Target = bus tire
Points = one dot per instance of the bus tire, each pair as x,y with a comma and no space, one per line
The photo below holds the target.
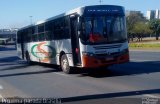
65,64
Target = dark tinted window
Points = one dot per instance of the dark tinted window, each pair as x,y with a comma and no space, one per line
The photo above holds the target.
41,37
61,28
35,29
40,28
29,34
58,28
34,37
66,28
49,30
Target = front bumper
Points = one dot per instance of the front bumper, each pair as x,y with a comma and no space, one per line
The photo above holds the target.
94,62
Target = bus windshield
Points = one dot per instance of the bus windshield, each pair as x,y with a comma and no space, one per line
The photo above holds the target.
103,29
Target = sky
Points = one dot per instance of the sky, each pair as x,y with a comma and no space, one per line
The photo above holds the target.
19,13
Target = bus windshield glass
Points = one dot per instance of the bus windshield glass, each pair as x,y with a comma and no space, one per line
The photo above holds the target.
103,29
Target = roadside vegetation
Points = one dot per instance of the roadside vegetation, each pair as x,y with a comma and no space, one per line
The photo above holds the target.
144,46
142,33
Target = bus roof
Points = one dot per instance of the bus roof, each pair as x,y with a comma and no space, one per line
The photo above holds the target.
79,11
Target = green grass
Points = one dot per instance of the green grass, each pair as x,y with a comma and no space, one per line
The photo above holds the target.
142,45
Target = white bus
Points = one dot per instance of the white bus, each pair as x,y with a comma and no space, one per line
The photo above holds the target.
86,37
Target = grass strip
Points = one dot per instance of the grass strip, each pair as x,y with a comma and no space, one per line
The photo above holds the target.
143,45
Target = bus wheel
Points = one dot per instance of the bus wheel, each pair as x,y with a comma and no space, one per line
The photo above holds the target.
65,64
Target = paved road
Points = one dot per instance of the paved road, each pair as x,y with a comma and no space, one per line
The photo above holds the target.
127,83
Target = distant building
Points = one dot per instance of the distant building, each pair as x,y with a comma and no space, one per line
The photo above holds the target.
150,14
134,12
157,14
9,34
153,14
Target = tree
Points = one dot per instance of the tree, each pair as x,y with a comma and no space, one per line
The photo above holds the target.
141,29
155,27
132,19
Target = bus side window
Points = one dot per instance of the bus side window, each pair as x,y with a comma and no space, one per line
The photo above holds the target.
56,29
41,36
61,28
66,28
29,35
32,31
35,35
49,31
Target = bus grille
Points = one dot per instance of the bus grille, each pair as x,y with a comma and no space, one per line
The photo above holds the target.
107,47
111,54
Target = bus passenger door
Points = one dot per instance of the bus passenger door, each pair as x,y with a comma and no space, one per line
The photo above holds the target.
22,46
75,40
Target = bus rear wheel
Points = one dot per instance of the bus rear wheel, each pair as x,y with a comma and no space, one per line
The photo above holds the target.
65,65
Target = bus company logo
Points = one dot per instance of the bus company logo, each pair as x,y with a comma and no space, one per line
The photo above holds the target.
44,56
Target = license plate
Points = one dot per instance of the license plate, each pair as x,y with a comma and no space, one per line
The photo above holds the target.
109,58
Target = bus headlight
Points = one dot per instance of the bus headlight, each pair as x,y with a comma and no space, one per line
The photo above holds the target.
87,54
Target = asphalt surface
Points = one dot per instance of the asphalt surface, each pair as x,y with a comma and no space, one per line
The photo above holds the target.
119,84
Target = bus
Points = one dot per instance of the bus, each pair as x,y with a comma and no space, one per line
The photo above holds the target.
86,37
